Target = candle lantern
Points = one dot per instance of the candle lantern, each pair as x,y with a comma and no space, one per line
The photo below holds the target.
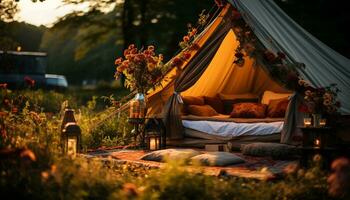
307,121
317,142
323,122
155,134
71,138
138,106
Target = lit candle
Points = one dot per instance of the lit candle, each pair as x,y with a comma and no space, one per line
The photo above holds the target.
317,142
323,122
152,143
307,121
72,146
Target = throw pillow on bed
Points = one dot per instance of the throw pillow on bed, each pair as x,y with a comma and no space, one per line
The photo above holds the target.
216,103
269,95
277,107
205,110
229,99
248,110
193,100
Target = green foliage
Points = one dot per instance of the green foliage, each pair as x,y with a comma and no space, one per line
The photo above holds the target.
32,166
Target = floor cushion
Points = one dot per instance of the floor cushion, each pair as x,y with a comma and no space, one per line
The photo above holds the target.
274,150
217,159
171,154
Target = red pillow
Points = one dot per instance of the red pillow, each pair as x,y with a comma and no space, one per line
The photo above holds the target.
277,107
205,110
248,110
215,102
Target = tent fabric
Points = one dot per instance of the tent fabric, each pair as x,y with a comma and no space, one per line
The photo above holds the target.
278,32
224,76
158,98
189,76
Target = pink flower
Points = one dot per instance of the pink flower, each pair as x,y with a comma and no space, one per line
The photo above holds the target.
29,81
118,61
186,38
3,85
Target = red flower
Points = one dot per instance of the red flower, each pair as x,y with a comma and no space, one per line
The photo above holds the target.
194,47
150,48
29,81
186,55
186,38
131,46
177,62
3,85
118,61
126,52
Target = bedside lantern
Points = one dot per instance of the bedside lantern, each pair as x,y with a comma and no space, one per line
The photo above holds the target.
155,134
307,121
71,139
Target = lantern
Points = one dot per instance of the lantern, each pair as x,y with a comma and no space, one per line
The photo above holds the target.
71,138
138,106
155,134
70,133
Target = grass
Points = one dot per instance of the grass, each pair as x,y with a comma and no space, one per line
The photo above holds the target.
33,167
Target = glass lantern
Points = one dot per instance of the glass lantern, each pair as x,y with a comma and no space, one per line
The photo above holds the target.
153,141
138,106
71,139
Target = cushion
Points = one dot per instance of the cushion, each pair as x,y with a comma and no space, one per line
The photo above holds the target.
205,110
269,95
193,100
217,159
275,150
172,154
230,99
248,110
215,102
277,107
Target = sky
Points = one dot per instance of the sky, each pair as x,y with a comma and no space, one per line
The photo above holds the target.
44,13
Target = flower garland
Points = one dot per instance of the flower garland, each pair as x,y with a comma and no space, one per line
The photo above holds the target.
321,100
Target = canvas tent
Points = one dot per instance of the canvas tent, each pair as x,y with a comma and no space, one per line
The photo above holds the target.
211,68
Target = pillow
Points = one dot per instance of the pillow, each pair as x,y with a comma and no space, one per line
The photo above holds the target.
275,150
277,107
217,159
215,102
248,110
171,154
192,100
269,95
205,110
230,99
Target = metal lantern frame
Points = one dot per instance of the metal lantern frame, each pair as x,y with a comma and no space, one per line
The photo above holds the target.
71,135
155,134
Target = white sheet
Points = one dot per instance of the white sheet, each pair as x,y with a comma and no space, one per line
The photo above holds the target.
232,129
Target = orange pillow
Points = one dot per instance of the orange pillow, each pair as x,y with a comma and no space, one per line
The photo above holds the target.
248,110
205,110
192,100
277,107
215,102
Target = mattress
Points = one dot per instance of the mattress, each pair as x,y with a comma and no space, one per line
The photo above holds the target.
226,118
229,128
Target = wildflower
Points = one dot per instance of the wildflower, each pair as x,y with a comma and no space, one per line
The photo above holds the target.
44,175
118,61
186,38
177,62
130,190
326,102
150,48
14,110
308,93
339,180
3,85
193,32
186,55
131,46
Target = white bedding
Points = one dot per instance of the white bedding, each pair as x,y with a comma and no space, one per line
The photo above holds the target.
232,129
